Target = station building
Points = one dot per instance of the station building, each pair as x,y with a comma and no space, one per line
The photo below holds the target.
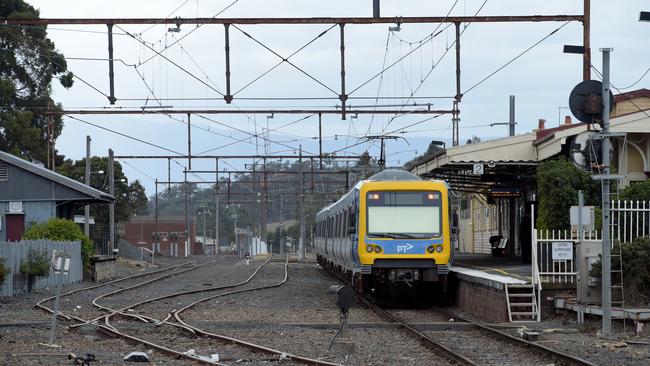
166,235
31,193
495,181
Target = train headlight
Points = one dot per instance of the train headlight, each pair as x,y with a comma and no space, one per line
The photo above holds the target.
369,248
431,249
377,249
439,248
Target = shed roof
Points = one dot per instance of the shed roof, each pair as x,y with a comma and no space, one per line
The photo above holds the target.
56,177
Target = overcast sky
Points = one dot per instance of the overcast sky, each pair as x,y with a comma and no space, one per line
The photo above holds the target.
541,79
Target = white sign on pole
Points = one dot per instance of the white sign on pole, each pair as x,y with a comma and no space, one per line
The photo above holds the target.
562,250
478,169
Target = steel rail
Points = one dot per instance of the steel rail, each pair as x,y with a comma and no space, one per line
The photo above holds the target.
201,332
111,330
41,302
435,345
313,20
564,357
139,317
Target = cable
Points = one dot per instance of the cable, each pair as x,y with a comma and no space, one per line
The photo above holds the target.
171,62
428,38
285,59
166,18
159,53
515,58
145,174
124,135
600,74
636,82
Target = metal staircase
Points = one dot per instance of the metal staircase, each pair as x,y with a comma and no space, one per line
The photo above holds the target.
522,302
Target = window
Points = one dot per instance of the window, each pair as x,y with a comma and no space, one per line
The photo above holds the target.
404,214
4,172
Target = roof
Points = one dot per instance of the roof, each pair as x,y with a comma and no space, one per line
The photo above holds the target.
515,150
634,94
56,177
394,174
161,219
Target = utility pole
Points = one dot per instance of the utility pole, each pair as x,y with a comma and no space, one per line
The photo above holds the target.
216,208
87,207
50,138
606,267
512,116
187,216
111,207
301,219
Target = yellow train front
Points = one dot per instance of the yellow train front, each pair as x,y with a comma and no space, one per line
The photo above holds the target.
390,231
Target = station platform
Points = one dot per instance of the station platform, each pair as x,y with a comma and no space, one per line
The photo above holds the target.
492,269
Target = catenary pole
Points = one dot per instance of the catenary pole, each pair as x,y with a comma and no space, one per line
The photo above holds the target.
606,267
87,207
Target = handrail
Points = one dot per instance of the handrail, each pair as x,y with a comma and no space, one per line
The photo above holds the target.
142,250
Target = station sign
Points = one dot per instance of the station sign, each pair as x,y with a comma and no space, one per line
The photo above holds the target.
505,192
562,250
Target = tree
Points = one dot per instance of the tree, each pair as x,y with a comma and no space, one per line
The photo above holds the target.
130,198
558,182
433,149
28,64
638,191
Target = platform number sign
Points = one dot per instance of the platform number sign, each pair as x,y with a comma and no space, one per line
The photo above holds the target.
562,250
478,169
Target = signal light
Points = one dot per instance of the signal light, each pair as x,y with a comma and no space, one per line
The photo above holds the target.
430,196
439,248
431,249
377,249
374,196
369,248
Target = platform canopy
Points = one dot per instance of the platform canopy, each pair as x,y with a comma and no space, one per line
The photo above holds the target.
480,166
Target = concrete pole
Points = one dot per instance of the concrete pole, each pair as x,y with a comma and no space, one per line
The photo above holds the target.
111,207
511,124
187,215
216,209
301,219
580,295
87,207
606,267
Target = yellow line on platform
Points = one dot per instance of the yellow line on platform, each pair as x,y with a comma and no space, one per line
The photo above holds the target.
498,270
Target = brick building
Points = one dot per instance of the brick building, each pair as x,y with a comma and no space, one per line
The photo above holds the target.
167,237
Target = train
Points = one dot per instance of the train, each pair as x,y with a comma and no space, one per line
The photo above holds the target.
389,233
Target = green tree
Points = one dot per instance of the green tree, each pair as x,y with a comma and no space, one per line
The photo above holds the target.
639,191
558,182
28,64
62,230
131,199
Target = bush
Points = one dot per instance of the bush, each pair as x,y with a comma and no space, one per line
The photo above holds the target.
62,230
37,264
558,182
3,271
636,272
639,191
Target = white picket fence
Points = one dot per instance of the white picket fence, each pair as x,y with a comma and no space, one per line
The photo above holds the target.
629,220
15,252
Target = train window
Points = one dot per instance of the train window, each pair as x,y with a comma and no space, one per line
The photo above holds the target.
404,214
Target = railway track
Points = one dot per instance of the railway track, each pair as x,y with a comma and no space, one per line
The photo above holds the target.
481,345
103,322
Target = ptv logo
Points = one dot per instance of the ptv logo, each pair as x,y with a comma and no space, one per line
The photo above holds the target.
404,248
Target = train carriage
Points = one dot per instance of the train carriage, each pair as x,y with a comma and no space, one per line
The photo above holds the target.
391,230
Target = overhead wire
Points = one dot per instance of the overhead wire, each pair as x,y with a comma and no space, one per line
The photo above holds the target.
132,166
515,58
124,135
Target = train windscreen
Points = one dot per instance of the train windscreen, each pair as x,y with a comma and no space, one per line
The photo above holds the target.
404,214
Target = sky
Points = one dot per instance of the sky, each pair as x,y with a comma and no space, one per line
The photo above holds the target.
192,74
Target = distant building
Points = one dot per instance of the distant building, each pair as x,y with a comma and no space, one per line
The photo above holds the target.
30,193
166,237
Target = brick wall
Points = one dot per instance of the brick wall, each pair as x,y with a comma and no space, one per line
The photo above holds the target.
487,303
